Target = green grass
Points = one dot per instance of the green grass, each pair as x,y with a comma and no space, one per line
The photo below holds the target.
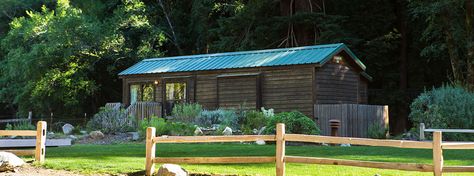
130,158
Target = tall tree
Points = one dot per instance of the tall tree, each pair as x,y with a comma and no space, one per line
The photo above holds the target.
449,29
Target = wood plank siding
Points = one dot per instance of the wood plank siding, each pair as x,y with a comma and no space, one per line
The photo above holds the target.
338,83
236,91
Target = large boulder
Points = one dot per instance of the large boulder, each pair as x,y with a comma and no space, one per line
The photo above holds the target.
9,161
67,128
172,170
135,135
227,131
96,135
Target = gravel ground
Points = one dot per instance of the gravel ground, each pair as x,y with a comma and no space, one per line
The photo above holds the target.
28,170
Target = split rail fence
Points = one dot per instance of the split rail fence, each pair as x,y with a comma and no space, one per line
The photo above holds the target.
40,134
280,158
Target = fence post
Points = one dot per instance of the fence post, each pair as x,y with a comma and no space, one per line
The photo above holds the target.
150,151
280,149
30,116
422,131
40,149
437,153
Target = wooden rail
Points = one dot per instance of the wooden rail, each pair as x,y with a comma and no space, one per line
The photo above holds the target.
437,146
40,148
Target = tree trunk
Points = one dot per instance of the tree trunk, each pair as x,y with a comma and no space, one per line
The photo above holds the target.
297,34
401,21
470,43
452,50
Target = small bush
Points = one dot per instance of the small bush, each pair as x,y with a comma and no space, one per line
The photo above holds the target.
111,121
21,125
295,122
160,125
446,107
223,117
253,120
181,129
208,118
376,131
229,117
186,112
164,127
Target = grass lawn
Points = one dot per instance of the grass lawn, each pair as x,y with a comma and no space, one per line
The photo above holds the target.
130,158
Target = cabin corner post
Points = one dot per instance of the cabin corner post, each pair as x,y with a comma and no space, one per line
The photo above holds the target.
40,148
437,153
280,149
150,151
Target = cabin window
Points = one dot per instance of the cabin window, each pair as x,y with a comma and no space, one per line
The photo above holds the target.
176,91
142,92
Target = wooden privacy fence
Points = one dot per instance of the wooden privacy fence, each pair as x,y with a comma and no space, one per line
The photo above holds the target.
281,158
355,118
40,133
142,110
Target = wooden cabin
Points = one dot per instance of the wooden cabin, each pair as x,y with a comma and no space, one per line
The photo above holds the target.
283,79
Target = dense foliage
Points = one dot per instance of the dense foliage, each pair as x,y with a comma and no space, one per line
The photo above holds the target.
164,127
295,122
22,125
63,56
253,120
447,107
186,112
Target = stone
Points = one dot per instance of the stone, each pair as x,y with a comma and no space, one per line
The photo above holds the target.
260,142
72,137
227,131
96,135
172,170
261,130
198,132
9,161
83,132
345,145
135,135
324,144
67,128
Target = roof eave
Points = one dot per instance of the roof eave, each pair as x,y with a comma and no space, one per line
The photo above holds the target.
340,48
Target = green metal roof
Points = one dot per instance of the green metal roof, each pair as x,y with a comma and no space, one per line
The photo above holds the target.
317,54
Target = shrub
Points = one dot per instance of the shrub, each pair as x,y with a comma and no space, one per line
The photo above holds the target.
111,121
377,131
181,129
160,125
164,127
253,120
208,118
295,122
223,117
21,125
228,117
445,107
186,112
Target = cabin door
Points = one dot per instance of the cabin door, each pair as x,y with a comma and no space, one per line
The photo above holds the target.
175,92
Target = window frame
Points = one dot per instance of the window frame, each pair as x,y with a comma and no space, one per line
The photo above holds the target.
141,89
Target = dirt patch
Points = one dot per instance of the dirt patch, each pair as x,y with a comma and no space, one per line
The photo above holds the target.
28,170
